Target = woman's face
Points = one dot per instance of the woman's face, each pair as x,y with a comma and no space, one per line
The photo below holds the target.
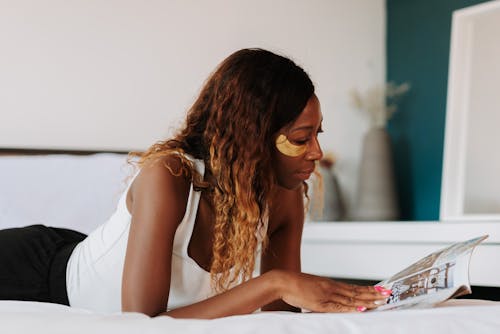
296,147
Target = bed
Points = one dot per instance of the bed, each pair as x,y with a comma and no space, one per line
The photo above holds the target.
79,191
457,316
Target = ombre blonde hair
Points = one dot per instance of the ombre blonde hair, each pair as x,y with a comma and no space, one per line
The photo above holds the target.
251,95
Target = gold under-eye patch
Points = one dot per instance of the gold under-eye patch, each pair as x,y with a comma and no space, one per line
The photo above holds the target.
284,146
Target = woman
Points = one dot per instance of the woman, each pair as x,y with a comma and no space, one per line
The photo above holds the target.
228,190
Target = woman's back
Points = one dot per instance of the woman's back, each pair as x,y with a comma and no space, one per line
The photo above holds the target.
94,272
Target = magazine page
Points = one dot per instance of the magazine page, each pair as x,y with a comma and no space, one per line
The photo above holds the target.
435,278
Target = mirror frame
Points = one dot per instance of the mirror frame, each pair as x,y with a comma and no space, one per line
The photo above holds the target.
457,115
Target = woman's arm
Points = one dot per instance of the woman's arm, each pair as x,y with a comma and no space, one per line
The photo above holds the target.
286,221
242,299
157,205
310,292
157,201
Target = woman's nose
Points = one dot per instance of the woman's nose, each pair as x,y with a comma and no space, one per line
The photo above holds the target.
314,152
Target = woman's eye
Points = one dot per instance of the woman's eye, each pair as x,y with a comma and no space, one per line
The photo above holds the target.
301,141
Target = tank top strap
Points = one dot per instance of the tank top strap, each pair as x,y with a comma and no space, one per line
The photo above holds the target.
122,201
261,231
185,229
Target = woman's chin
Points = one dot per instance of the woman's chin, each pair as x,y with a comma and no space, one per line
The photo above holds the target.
290,184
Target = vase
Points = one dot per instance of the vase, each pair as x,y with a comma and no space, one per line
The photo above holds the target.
332,207
376,193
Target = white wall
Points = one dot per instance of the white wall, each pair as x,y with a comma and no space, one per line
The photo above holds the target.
119,74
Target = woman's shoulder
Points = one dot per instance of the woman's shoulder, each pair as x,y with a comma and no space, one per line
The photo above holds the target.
161,181
171,170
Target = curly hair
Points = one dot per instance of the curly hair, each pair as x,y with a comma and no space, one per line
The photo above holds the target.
250,96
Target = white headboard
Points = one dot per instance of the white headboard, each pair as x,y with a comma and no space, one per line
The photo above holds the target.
62,190
471,169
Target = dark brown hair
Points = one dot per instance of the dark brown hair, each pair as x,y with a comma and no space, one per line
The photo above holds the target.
251,95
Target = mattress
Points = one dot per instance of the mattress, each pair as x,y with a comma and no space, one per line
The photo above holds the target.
453,316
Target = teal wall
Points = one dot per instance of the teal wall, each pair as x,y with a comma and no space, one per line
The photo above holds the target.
418,43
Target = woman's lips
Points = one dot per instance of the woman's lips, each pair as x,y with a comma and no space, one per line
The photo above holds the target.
304,175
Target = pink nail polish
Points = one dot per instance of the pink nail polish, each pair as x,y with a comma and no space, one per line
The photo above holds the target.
383,291
361,308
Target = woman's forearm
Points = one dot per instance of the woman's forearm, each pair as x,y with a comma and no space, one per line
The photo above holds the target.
242,299
299,290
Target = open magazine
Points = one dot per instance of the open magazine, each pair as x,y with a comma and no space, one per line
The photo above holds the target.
435,278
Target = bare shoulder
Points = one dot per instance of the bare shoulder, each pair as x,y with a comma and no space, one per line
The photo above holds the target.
287,208
159,183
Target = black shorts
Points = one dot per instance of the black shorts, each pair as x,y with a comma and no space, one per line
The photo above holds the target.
33,261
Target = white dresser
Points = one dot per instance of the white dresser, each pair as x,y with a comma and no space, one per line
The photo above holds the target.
377,250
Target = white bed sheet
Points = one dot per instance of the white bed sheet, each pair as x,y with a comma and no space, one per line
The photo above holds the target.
454,316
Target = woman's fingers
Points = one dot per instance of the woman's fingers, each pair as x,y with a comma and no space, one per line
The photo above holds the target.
354,303
351,298
320,294
340,308
367,293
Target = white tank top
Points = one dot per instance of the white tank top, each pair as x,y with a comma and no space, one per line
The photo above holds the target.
94,271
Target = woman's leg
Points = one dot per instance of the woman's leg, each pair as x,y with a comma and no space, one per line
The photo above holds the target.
27,259
67,241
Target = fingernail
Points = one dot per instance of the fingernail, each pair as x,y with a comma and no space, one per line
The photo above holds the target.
361,308
380,302
383,291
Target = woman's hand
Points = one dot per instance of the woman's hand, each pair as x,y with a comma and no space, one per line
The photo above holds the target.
305,291
319,294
